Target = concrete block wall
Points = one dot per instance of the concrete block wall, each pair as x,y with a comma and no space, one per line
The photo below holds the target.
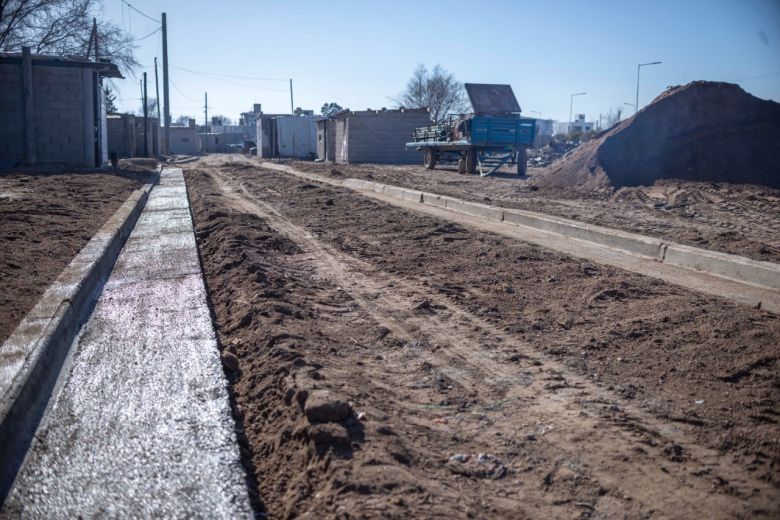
184,140
326,127
62,113
381,136
121,135
339,143
11,114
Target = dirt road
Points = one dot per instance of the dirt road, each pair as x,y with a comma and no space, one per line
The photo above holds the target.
738,219
45,219
487,377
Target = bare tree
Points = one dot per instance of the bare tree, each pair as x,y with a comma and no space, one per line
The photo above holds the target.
151,107
183,120
436,90
62,27
614,116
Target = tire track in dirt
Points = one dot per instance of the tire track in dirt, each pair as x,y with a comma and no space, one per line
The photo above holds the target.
628,455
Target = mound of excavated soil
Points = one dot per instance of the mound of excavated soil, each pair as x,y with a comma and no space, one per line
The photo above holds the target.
702,131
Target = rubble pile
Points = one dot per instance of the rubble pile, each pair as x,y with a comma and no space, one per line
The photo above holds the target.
551,152
702,131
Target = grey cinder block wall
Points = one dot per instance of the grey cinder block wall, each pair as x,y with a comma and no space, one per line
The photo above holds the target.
376,136
62,100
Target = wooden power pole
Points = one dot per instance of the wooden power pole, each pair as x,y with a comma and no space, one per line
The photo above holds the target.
165,85
146,121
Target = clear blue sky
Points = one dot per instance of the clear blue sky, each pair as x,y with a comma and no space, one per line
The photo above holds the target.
361,53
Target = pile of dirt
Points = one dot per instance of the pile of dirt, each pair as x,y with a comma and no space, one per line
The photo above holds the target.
702,131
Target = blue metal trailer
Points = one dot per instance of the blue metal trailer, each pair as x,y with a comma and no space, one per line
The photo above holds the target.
493,136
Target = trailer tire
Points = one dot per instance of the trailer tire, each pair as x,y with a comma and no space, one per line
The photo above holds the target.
429,159
522,163
462,164
471,161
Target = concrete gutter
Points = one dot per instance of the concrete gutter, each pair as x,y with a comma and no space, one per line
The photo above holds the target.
762,275
31,358
140,423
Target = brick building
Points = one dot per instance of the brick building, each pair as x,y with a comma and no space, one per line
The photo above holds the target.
52,109
370,136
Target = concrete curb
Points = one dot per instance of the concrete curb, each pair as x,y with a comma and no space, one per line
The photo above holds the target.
737,268
754,272
31,358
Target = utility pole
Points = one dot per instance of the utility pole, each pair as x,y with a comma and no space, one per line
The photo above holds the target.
165,85
157,90
146,121
636,106
292,105
206,112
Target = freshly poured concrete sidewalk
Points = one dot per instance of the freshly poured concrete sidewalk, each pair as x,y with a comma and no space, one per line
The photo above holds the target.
140,425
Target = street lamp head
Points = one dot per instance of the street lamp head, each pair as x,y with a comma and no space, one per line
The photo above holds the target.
579,94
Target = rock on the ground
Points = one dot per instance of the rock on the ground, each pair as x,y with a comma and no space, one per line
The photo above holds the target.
322,407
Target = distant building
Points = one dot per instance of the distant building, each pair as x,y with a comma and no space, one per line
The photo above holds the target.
185,139
53,109
287,136
578,125
126,135
211,142
545,129
370,136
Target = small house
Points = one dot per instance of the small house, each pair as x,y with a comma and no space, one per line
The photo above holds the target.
52,109
370,136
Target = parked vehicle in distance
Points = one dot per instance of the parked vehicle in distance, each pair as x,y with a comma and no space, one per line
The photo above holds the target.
249,145
235,148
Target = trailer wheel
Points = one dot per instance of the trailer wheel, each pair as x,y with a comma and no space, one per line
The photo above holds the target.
522,163
462,164
429,159
471,161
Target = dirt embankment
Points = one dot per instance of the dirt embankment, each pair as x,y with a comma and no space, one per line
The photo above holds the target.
741,219
45,219
703,131
588,391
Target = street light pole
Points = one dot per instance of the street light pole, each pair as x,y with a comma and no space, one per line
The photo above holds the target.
636,106
571,108
537,112
630,105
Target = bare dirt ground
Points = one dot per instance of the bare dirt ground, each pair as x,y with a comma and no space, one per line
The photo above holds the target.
741,219
45,219
488,378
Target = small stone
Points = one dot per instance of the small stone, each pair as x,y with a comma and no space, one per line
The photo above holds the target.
321,407
361,416
230,362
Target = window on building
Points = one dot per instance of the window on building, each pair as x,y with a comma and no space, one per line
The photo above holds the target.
216,140
185,139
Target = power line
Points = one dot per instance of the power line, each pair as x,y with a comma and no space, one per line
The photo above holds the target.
148,35
139,12
180,91
231,75
214,78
